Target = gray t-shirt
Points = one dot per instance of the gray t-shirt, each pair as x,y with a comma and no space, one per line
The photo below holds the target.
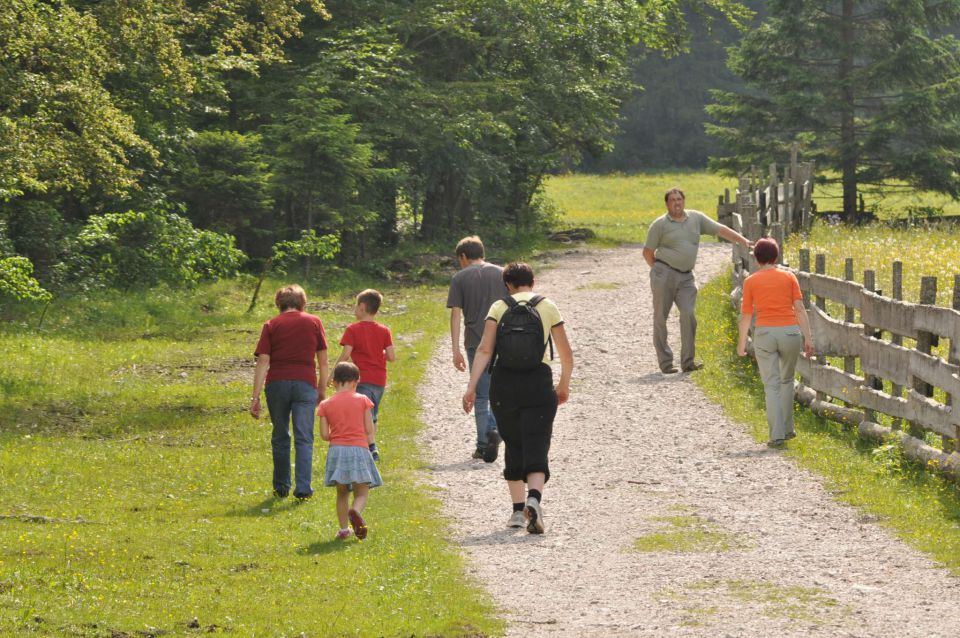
474,289
676,243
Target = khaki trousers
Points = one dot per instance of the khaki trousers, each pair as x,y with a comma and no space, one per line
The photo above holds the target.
777,350
671,287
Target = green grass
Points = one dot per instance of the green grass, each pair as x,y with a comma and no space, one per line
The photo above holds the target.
893,203
124,421
620,208
687,533
924,250
809,605
921,507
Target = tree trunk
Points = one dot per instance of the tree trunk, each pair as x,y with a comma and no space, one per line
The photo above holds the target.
444,204
848,141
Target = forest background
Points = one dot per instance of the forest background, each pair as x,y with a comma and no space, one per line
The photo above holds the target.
146,143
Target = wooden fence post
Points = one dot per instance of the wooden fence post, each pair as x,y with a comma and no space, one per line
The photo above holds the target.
805,267
896,292
928,296
869,284
821,269
849,362
953,445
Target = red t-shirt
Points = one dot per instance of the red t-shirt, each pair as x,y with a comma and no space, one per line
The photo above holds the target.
369,339
771,293
344,412
292,339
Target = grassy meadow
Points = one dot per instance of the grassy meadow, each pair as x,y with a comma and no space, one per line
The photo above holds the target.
920,507
620,208
135,490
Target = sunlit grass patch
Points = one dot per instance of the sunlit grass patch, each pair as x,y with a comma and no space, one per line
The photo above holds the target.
157,484
620,208
601,285
920,506
708,598
685,532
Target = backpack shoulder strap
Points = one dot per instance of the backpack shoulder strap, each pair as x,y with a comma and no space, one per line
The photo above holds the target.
534,300
510,301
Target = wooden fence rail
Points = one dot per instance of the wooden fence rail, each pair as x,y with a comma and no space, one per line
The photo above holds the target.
879,375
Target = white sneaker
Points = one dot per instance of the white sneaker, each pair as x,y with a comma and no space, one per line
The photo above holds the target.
517,520
534,516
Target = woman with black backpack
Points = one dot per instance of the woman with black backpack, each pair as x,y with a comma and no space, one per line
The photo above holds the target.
519,337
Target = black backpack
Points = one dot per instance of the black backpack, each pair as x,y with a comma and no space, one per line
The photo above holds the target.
520,343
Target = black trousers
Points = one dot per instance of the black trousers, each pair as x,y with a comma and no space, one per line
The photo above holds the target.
524,404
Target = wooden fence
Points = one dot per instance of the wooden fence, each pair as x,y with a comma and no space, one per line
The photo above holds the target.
878,373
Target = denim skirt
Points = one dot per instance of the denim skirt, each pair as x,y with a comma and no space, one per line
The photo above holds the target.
348,464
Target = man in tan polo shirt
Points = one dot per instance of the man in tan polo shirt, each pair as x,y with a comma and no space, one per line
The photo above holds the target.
671,252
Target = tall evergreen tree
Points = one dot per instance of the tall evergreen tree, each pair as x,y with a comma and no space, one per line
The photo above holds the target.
867,88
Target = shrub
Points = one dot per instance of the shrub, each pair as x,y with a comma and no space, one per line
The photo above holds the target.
17,282
141,249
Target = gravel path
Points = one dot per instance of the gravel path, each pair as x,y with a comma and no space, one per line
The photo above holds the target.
636,453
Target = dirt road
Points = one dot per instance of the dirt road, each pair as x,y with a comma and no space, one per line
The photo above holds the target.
768,552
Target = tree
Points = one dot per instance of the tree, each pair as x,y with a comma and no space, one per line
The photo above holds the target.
225,183
866,88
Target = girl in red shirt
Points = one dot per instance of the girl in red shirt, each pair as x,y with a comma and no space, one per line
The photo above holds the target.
346,422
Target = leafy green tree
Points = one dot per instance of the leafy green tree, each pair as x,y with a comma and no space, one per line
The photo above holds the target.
59,127
866,88
284,254
225,183
319,164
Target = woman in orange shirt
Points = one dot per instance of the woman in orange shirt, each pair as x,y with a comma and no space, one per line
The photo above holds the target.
781,330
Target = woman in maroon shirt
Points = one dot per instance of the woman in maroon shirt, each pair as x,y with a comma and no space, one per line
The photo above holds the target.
289,344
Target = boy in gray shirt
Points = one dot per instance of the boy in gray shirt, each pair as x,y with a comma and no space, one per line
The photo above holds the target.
472,291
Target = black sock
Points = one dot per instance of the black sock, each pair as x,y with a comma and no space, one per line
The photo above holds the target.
372,446
518,507
535,494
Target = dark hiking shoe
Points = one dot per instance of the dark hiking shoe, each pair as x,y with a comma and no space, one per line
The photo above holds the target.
693,367
493,447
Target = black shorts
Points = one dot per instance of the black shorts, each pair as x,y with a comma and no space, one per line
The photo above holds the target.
524,404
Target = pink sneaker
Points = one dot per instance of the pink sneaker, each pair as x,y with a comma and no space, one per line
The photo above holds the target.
359,526
344,534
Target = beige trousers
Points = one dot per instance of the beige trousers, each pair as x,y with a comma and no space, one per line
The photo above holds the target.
777,350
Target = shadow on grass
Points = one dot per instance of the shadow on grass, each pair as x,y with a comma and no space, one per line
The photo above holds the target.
322,548
269,506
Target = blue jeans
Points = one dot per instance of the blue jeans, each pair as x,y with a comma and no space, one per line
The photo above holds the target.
481,408
374,393
299,400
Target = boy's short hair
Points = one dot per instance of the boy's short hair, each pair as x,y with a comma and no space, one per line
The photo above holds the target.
371,300
671,191
766,251
518,274
345,372
291,296
470,247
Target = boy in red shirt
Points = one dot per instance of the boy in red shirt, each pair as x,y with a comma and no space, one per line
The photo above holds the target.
369,345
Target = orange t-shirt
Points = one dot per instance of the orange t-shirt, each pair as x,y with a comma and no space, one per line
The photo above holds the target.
344,412
771,293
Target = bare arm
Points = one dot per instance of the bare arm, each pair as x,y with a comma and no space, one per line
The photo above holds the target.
324,429
733,236
480,362
648,256
323,367
565,352
458,361
390,353
744,327
259,376
368,426
344,355
804,322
